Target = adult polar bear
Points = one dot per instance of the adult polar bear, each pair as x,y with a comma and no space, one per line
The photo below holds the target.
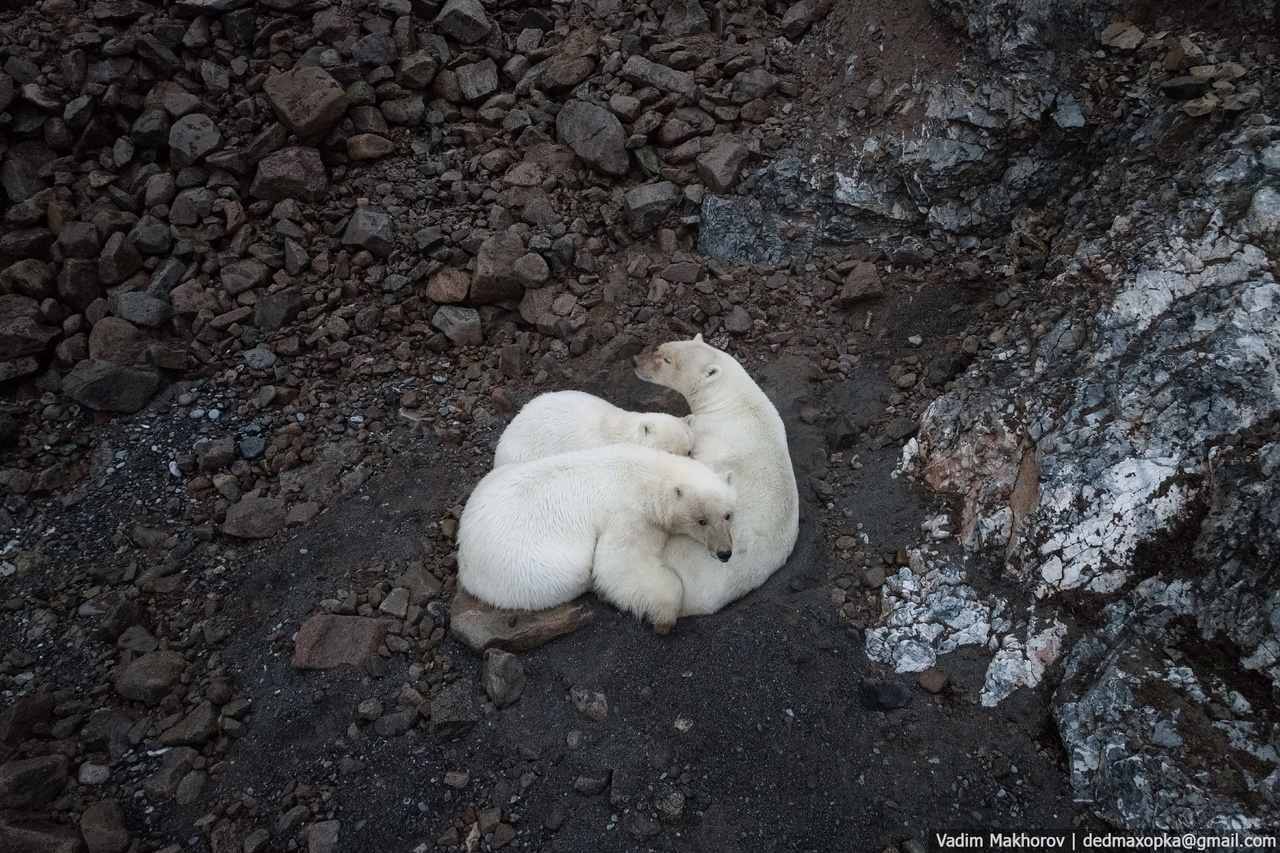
737,432
536,534
564,421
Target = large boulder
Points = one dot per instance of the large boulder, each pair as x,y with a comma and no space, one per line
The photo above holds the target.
308,101
106,387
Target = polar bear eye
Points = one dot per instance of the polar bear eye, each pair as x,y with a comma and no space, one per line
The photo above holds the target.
702,522
728,515
666,360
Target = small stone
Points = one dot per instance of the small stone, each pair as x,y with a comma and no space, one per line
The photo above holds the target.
933,679
106,387
32,783
460,325
322,837
885,696
1122,35
369,146
119,259
192,137
802,15
495,279
503,677
370,228
531,270
396,724
643,72
396,604
454,711
142,310
646,206
295,172
449,286
254,518
592,705
591,786
195,729
738,322
104,828
478,80
862,282
719,167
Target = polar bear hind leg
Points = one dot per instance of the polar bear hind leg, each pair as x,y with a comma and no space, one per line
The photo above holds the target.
629,573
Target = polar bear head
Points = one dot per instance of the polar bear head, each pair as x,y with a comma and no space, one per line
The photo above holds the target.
693,368
665,432
700,505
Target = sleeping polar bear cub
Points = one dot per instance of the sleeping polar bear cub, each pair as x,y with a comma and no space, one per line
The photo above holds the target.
735,428
563,421
541,533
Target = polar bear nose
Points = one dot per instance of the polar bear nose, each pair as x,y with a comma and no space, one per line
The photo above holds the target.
724,556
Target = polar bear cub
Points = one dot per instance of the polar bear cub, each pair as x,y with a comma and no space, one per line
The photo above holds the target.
735,428
541,533
562,421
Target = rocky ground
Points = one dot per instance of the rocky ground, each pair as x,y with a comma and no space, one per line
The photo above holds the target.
275,274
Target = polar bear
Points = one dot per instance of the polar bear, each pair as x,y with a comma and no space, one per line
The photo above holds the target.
735,428
540,533
573,420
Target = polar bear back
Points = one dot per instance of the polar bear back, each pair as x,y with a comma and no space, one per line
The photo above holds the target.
528,534
565,421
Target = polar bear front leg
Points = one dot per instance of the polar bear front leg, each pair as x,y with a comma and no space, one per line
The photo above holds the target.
629,573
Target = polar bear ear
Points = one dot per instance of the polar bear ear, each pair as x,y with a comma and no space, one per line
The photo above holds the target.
644,428
697,339
712,371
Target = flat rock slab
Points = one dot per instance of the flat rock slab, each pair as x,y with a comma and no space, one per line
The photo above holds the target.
326,641
255,518
480,626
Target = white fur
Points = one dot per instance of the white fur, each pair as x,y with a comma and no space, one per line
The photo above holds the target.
736,431
537,534
563,421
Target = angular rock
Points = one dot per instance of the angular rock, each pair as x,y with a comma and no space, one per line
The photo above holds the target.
479,626
119,259
460,325
503,677
274,311
531,270
478,80
327,641
142,310
417,70
166,778
31,277
195,729
719,167
463,20
192,137
802,15
104,828
151,677
295,172
370,228
255,518
449,286
369,146
30,784
106,387
78,283
647,205
595,135
239,276
494,279
27,833
644,72
685,18
454,711
22,331
151,236
308,101
862,282
21,173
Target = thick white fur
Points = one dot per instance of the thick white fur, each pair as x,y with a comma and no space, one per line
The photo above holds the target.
736,431
537,534
563,421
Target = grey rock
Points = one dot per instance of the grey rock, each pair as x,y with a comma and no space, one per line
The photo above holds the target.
22,328
151,677
480,627
295,172
454,711
495,279
142,310
255,518
396,723
78,283
738,322
647,205
259,358
370,228
460,325
239,276
326,641
478,80
276,310
503,677
374,49
195,729
31,277
307,100
595,135
119,259
644,72
531,270
802,15
32,783
463,20
174,766
151,236
106,387
404,111
719,167
589,703
418,69
21,171
151,129
214,454
685,18
192,137
104,827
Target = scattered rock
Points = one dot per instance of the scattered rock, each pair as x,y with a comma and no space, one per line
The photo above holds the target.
595,135
503,677
327,641
480,627
30,784
454,711
255,517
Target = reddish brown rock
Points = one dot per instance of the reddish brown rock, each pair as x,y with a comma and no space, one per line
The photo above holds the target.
326,641
481,626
